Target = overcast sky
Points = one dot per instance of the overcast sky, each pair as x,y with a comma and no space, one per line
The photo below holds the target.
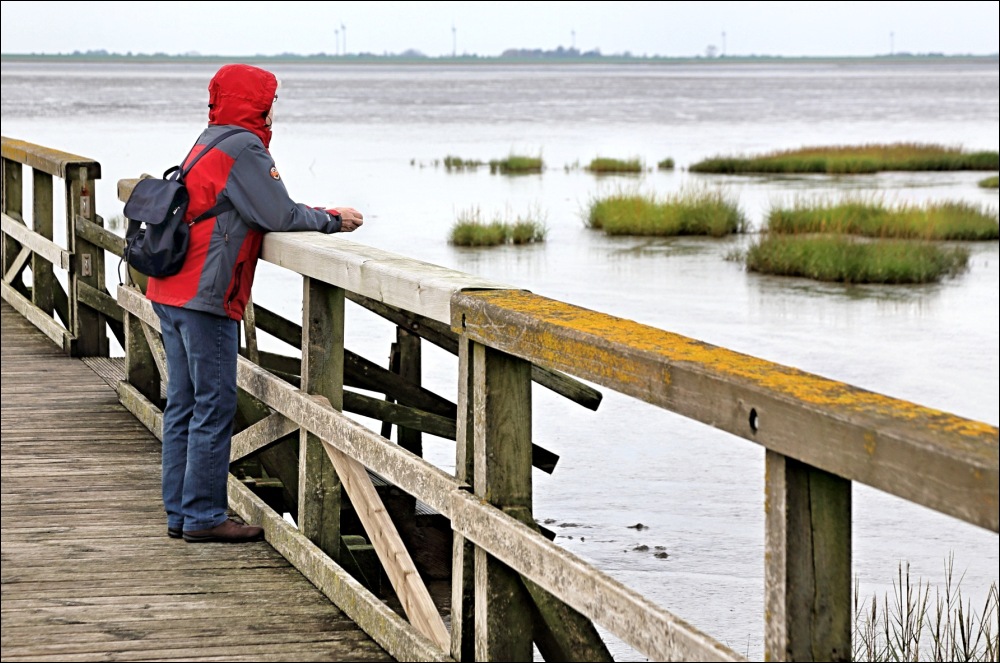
673,29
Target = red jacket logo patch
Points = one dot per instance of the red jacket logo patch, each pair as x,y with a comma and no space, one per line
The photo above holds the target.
274,173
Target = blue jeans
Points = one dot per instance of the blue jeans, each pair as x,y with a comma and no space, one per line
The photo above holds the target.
198,418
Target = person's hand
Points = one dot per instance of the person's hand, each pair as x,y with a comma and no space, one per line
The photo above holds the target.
350,218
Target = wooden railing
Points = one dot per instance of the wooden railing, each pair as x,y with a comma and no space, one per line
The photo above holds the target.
71,310
511,586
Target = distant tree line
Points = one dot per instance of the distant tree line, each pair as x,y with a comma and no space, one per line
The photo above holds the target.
560,53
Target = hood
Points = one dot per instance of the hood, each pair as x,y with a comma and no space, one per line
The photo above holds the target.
241,95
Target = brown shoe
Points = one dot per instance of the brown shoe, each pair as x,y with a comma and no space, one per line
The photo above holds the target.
229,531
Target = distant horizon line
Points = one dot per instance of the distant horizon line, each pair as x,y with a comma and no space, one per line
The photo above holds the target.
560,55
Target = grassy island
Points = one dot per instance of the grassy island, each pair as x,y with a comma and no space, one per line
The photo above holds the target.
949,220
605,165
865,241
516,164
470,229
851,160
690,212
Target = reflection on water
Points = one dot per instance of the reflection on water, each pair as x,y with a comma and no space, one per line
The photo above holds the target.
355,135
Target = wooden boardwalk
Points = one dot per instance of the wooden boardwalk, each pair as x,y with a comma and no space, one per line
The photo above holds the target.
88,572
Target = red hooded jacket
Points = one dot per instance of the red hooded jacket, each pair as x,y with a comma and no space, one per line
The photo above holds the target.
219,267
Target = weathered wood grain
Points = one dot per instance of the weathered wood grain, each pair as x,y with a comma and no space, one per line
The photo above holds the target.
88,572
929,457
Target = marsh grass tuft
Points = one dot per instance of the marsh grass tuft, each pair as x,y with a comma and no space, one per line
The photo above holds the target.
458,163
688,212
990,182
871,217
603,165
470,229
846,159
516,164
913,627
666,164
843,259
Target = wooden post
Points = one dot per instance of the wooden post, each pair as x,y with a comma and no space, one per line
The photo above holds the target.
463,642
13,194
323,374
502,441
87,325
43,281
140,367
409,369
807,572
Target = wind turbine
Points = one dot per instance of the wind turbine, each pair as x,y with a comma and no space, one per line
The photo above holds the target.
454,42
343,29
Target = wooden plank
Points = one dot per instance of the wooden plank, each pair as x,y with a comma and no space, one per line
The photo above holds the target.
444,337
384,537
43,280
54,162
560,632
502,442
140,406
399,638
410,371
13,202
142,370
259,435
88,572
250,332
45,323
41,246
99,236
414,419
933,458
807,575
417,286
463,582
88,325
99,300
319,487
17,265
159,353
358,371
650,629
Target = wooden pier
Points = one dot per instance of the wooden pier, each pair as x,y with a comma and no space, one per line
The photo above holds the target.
89,573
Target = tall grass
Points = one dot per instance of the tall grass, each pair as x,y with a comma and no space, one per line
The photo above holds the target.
605,165
949,220
842,259
913,627
688,212
990,182
470,229
847,159
516,164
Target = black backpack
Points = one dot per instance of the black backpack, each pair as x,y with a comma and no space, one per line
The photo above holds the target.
157,236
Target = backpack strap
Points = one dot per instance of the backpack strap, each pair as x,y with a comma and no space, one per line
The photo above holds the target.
219,207
181,173
215,210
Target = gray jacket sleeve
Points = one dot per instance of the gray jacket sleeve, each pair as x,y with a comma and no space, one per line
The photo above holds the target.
258,194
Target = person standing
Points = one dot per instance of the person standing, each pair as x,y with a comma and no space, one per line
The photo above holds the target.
200,307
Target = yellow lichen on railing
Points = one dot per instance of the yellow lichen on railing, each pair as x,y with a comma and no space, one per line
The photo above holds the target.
934,458
564,335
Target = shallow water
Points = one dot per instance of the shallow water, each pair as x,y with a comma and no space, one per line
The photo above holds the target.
369,136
